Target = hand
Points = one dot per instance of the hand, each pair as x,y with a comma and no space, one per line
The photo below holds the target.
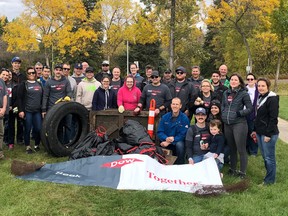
267,139
187,113
157,111
21,115
137,110
170,139
2,112
253,134
215,155
43,114
164,144
191,161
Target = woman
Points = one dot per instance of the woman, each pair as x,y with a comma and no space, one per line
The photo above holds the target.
104,97
266,127
251,145
205,96
29,98
117,81
235,124
128,95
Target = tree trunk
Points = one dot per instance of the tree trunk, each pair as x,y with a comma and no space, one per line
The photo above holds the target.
277,72
172,38
247,47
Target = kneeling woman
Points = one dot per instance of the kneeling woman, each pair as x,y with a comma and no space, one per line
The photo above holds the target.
266,127
29,98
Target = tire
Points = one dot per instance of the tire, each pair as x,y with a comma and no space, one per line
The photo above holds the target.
53,123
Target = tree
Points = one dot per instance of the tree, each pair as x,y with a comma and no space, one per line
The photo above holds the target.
279,21
51,23
243,16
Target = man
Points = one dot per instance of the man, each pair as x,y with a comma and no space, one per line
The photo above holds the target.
172,130
219,88
105,71
223,69
138,78
38,68
86,89
195,78
72,81
197,138
46,73
147,80
57,87
158,91
167,77
17,78
3,106
85,65
183,89
78,73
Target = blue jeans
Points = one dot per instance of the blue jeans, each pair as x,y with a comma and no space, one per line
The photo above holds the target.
197,158
268,154
178,150
32,119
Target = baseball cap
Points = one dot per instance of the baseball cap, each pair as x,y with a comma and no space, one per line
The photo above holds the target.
105,62
180,68
200,110
78,66
89,69
16,59
155,73
58,66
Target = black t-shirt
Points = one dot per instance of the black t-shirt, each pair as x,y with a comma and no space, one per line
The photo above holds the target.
33,97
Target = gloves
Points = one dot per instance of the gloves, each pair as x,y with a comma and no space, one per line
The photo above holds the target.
15,110
65,99
121,109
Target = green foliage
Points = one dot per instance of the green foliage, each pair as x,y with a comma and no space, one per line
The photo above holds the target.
283,107
19,197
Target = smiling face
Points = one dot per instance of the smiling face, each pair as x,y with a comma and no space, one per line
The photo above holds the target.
200,117
262,87
129,82
31,74
133,69
16,66
205,87
234,82
195,73
4,75
116,73
176,105
214,130
214,110
251,80
105,83
215,78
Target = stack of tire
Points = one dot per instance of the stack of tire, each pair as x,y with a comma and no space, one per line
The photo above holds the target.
51,123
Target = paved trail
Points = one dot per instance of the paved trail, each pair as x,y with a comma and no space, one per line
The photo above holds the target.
283,128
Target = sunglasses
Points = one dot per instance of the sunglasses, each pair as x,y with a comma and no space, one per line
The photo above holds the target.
180,72
66,69
153,77
250,79
30,73
39,68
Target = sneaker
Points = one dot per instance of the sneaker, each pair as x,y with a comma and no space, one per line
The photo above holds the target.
11,146
36,148
29,150
241,175
232,172
1,155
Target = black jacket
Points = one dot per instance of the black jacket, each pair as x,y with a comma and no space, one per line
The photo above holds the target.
267,115
233,103
186,93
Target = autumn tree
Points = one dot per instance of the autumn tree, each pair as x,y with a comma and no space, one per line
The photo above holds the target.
244,17
50,23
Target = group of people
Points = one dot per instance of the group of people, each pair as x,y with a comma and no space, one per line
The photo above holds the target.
230,117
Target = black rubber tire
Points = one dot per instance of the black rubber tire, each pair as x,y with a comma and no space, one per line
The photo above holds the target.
51,124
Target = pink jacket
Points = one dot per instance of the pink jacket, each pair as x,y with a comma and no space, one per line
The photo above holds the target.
129,98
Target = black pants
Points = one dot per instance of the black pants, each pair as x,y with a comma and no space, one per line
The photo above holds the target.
11,128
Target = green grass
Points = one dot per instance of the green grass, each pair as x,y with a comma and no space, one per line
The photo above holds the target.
19,197
283,107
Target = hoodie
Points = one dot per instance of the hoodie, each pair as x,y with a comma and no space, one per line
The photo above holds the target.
128,98
85,92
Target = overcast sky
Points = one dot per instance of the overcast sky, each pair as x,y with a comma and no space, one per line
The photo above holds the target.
13,8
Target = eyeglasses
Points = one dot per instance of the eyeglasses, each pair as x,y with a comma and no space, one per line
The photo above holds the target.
250,79
105,65
179,72
39,68
66,69
153,77
31,73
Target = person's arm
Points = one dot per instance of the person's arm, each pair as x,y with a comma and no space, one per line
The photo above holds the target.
46,94
273,110
249,107
120,98
94,100
161,130
68,89
220,144
21,97
189,143
79,94
3,109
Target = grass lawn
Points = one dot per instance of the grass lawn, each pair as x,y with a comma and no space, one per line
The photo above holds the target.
283,107
19,197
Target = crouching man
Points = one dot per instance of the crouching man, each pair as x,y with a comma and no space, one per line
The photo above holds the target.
172,130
